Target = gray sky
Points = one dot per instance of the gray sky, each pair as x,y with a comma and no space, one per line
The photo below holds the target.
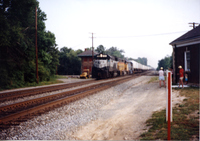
142,28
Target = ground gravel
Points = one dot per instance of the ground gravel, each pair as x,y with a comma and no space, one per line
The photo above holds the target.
62,123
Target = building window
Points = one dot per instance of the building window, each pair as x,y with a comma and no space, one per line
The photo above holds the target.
187,60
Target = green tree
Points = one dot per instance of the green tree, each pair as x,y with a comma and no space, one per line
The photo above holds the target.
16,25
114,51
79,51
165,63
70,63
142,60
100,49
17,44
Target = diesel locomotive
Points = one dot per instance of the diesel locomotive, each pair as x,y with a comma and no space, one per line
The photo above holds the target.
104,66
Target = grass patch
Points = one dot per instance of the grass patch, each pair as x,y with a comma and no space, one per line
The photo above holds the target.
185,125
153,79
61,77
53,80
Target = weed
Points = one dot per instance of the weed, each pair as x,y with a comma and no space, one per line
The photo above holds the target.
185,125
153,79
181,105
52,80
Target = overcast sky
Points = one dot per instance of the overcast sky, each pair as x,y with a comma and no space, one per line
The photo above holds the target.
142,28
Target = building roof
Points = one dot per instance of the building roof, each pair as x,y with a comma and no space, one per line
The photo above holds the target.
191,37
86,53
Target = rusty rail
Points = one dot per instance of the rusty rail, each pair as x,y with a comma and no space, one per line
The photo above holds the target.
33,91
10,109
48,103
34,102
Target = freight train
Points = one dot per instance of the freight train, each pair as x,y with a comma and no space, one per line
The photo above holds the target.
106,66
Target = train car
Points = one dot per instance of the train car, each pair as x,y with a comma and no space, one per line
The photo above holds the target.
134,65
140,67
137,67
121,66
129,67
124,67
104,66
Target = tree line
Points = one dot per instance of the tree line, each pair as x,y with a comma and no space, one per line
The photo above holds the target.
70,63
17,44
17,47
166,63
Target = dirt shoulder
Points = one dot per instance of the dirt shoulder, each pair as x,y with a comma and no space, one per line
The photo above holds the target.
124,118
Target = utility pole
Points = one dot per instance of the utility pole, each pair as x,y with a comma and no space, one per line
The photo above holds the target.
92,51
36,49
193,24
92,48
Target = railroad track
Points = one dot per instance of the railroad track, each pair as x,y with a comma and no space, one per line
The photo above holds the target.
34,91
15,113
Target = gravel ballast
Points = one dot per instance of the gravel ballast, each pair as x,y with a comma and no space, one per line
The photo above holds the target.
62,123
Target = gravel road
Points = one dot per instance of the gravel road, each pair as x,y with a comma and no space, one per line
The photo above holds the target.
118,113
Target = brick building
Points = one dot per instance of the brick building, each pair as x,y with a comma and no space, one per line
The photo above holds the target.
186,52
86,60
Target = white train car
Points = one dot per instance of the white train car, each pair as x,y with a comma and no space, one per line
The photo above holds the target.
140,67
137,67
145,67
130,67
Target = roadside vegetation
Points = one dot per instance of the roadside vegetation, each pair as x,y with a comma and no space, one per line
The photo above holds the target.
52,80
17,45
154,80
185,125
166,63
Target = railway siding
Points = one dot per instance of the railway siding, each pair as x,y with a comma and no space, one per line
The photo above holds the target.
10,95
49,102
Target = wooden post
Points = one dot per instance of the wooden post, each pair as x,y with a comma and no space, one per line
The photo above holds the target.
36,49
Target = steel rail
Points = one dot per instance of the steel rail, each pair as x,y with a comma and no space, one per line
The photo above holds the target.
59,102
5,110
33,91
